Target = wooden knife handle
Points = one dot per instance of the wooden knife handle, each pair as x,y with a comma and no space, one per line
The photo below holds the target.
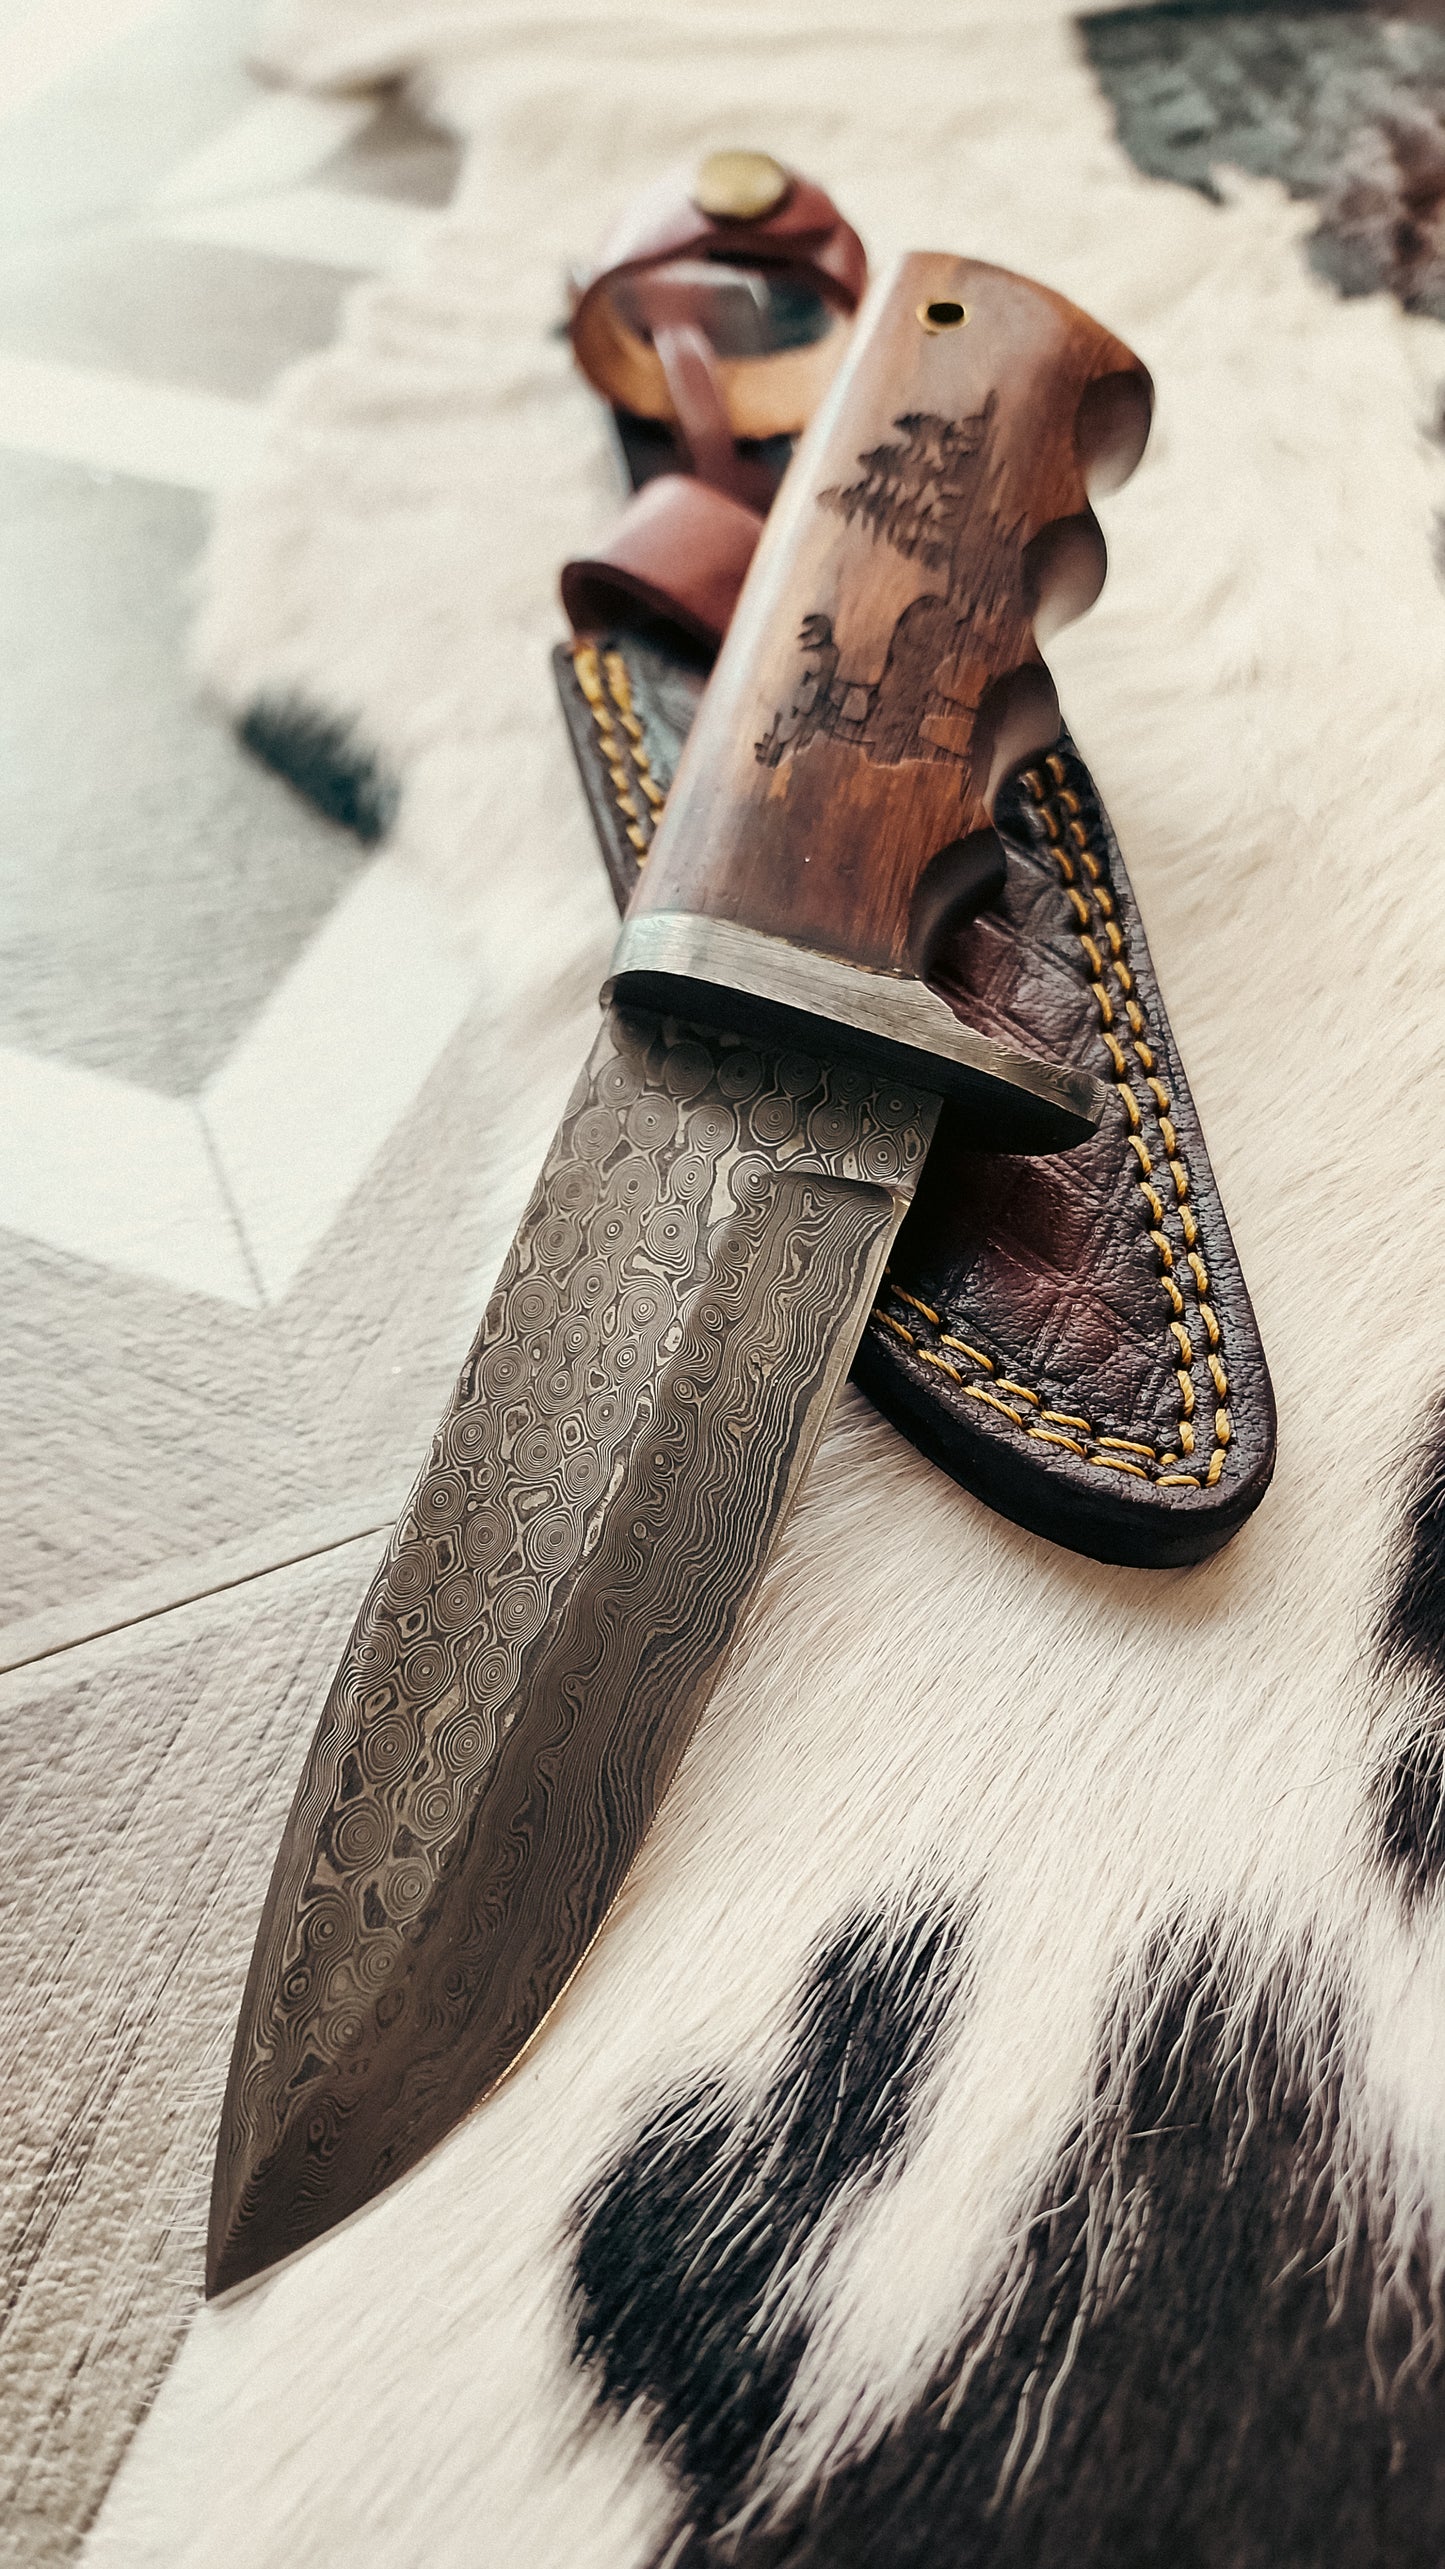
882,673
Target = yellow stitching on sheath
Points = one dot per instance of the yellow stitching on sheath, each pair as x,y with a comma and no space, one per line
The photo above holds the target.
1167,1133
926,1356
914,1304
585,662
621,685
1106,1460
964,1349
976,1391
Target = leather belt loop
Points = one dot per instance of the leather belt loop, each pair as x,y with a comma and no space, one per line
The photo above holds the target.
804,237
697,399
680,551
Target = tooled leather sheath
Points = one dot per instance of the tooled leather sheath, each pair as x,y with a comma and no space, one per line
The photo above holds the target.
1071,1337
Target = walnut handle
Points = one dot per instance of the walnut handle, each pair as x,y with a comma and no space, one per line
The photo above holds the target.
882,673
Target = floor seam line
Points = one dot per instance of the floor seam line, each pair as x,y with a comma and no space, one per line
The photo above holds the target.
195,1597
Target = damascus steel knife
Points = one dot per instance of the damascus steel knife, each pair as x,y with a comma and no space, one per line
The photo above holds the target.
692,1275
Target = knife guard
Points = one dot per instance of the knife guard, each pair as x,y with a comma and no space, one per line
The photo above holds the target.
831,819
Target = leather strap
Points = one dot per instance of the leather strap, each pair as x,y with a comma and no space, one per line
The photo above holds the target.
804,236
695,388
680,552
682,546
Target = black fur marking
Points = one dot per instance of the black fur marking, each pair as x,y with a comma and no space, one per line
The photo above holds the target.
1410,1790
1412,1635
691,2234
1206,2395
1346,105
1410,1809
321,757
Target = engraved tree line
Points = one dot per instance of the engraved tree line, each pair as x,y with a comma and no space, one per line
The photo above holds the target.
929,494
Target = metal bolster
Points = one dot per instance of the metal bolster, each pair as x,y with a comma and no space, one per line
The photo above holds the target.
714,969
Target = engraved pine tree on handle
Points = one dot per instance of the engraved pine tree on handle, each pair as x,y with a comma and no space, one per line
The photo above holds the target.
874,690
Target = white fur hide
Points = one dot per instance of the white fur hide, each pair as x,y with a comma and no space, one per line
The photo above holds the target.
1097,1767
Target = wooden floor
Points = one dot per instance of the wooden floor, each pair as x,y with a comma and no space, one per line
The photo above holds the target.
213,1352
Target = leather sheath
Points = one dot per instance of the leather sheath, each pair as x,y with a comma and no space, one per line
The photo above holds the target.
1069,1337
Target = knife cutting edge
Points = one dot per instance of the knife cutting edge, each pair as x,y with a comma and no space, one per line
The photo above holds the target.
684,1296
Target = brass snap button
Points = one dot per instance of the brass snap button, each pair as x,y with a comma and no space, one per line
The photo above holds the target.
943,315
739,187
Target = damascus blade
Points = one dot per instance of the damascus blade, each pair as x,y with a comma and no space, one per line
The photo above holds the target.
674,1320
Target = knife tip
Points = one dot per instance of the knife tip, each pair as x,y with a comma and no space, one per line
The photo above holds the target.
267,2207
240,2244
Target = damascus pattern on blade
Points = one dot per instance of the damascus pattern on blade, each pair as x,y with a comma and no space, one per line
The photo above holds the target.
674,1319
